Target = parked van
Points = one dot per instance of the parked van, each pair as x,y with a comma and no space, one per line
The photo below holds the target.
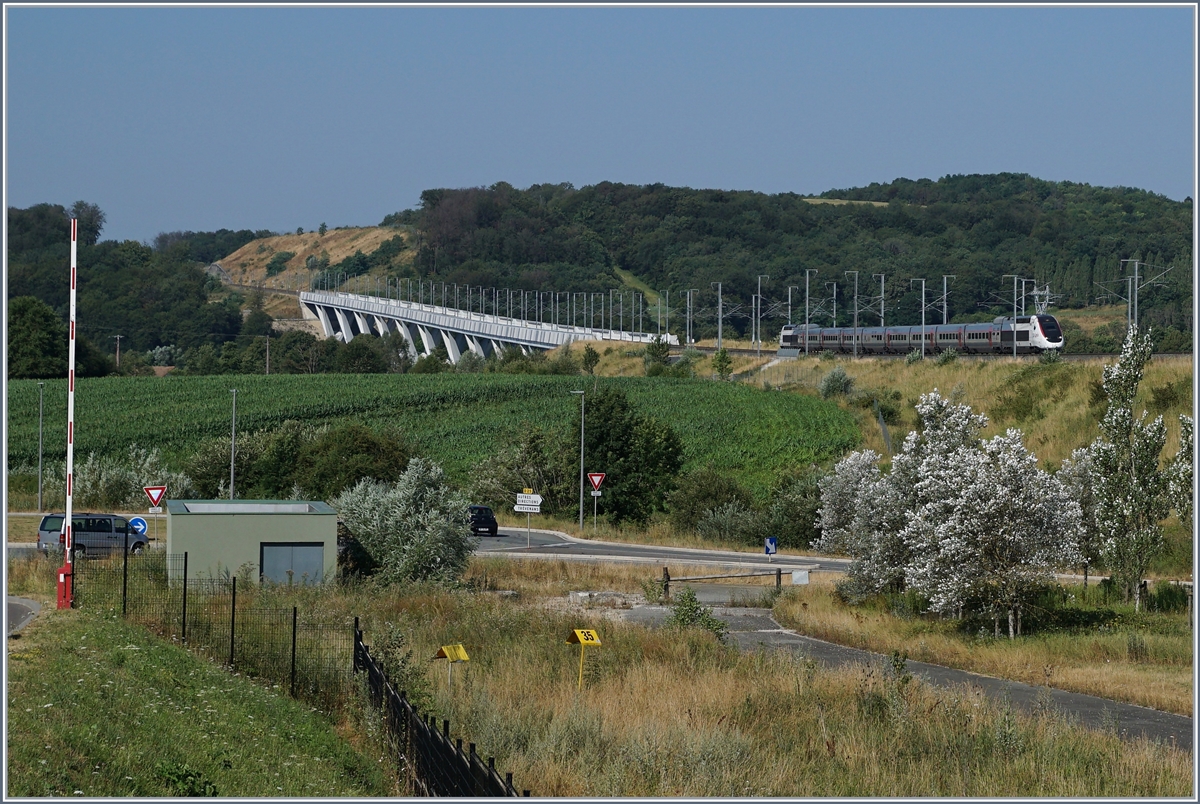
94,534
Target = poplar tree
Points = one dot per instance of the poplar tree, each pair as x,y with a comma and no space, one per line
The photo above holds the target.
1131,491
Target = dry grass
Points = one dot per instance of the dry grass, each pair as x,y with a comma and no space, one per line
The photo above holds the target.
22,528
248,265
1063,419
1091,318
1095,664
667,713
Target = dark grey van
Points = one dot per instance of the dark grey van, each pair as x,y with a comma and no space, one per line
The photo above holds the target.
95,535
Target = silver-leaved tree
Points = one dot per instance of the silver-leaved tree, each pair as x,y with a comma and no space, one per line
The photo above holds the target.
1130,489
416,529
967,523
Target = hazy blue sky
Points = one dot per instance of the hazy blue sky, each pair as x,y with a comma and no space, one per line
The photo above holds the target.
202,118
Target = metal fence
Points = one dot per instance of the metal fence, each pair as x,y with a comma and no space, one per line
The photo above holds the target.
307,653
431,763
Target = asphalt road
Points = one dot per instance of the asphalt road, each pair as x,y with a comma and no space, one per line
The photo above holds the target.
20,612
512,542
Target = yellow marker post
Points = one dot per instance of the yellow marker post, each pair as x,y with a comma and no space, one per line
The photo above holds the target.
452,654
584,637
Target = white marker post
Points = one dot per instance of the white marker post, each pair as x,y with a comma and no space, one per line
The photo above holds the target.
66,583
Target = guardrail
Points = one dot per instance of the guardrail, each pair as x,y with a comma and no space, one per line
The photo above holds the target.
777,572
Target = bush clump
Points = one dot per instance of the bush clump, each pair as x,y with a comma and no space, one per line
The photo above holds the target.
836,383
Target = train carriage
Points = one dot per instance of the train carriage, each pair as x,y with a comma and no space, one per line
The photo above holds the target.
1034,334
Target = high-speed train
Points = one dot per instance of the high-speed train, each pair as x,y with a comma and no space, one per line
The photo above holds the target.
1035,334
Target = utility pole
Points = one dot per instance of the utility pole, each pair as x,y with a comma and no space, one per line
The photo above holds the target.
758,313
834,284
855,341
41,386
582,397
945,298
1015,279
118,337
720,313
880,277
922,281
689,312
232,441
790,288
807,271
268,354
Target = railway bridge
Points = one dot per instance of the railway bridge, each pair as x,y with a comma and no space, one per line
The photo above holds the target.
347,315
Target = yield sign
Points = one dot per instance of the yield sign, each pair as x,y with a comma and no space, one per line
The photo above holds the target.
596,479
155,493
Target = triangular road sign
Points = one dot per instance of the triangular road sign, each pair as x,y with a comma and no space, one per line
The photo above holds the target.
155,493
596,479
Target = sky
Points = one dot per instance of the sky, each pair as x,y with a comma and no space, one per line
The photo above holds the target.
201,118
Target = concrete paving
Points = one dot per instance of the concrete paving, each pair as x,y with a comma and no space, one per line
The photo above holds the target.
755,629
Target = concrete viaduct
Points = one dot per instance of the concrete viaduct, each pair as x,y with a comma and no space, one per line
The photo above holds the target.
345,315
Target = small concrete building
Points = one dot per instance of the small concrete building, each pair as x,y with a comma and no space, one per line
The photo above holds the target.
282,540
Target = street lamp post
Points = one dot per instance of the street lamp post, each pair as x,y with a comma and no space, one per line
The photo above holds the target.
41,386
582,398
232,440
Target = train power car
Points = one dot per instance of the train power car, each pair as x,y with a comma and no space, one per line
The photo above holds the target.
1034,334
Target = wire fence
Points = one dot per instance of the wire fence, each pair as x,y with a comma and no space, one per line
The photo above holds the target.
429,761
316,658
307,653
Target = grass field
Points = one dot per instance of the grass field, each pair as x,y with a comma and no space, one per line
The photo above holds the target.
661,713
99,707
455,419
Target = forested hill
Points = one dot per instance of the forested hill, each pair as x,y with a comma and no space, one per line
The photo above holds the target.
977,228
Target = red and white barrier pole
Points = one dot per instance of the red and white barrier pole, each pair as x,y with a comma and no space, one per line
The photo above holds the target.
66,586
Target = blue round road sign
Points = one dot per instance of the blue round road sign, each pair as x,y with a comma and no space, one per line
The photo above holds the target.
139,525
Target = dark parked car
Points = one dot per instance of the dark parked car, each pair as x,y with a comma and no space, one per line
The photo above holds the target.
483,520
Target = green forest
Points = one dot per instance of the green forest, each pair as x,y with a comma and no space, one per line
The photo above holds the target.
977,230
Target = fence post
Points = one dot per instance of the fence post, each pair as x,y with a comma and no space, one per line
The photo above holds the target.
185,556
778,578
232,619
357,641
294,618
125,576
666,584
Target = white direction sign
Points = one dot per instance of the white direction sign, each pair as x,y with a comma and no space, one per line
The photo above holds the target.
528,509
529,499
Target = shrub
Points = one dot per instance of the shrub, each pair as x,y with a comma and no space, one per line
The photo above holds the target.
836,383
279,261
946,357
699,492
343,456
732,522
913,357
416,529
686,612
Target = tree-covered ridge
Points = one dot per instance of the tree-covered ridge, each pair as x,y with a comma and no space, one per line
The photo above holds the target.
975,228
149,296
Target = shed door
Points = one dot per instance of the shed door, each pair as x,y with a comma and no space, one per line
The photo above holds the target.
305,560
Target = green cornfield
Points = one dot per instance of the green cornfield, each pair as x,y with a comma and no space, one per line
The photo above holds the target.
458,420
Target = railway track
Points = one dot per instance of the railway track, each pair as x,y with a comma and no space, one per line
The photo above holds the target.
772,354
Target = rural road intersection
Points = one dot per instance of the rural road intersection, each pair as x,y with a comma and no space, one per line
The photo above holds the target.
754,629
